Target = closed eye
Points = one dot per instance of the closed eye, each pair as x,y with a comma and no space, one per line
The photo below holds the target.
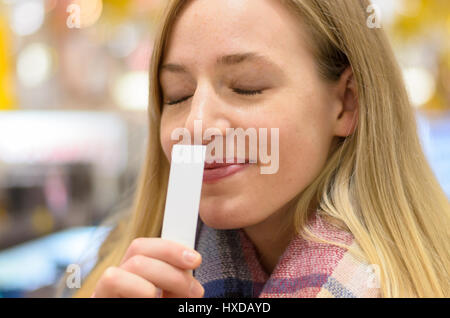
178,101
236,90
245,92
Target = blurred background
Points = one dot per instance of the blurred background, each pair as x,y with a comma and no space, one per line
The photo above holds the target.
73,98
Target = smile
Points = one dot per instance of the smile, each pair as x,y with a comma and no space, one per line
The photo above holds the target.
214,172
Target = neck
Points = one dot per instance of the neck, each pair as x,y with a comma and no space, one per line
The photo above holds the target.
272,236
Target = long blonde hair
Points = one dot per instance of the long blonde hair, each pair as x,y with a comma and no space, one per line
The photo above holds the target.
377,182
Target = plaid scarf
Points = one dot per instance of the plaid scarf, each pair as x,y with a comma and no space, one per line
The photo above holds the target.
231,268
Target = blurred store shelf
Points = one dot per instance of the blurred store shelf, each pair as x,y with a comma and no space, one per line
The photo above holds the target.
64,169
34,269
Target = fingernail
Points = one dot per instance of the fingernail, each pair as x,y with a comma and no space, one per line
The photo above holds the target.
196,289
189,257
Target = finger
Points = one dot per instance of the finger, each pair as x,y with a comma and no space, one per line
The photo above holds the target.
171,252
118,283
165,276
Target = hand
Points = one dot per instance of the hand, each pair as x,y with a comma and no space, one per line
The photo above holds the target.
152,265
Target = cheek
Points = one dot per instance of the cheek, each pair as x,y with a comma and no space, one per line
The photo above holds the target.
305,141
303,152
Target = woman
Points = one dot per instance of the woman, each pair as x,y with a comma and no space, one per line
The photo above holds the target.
353,210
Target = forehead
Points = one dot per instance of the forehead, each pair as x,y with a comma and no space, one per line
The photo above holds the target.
208,29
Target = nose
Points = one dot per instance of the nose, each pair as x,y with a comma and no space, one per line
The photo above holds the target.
207,115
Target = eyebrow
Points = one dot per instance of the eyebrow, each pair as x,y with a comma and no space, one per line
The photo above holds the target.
231,59
241,57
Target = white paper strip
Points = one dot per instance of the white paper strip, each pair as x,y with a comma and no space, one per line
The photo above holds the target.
183,194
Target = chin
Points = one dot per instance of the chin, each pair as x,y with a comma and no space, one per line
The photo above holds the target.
222,219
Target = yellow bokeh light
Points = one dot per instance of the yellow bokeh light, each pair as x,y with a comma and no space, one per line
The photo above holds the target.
42,220
7,100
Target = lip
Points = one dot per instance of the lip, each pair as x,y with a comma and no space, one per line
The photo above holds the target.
214,172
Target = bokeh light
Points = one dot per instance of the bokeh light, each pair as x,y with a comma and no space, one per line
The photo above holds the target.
131,91
124,40
420,84
27,16
34,64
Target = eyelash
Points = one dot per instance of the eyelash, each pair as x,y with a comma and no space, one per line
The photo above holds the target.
236,90
245,92
178,101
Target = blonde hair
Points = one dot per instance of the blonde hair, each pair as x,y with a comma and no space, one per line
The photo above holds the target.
377,182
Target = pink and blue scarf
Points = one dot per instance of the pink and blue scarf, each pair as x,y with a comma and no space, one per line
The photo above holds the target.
230,266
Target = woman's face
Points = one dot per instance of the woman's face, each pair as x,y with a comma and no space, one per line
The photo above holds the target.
289,96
